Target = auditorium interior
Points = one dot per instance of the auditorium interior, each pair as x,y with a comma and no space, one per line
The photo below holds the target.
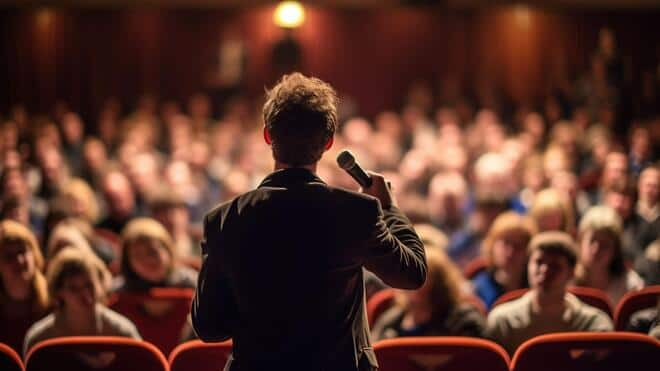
499,126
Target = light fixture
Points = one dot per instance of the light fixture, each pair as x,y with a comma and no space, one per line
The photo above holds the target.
289,14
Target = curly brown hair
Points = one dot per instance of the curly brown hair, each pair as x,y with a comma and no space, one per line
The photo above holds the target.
300,115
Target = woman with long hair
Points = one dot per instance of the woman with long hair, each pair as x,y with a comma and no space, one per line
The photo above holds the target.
23,288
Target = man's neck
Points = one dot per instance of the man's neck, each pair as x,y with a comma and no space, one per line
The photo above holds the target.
549,302
280,166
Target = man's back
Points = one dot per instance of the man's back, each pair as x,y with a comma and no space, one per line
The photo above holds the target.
290,257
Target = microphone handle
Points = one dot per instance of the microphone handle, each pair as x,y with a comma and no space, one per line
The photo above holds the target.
360,176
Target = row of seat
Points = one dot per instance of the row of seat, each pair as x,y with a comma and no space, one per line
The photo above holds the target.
164,330
629,304
563,351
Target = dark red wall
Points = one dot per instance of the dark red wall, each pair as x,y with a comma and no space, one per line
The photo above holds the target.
85,56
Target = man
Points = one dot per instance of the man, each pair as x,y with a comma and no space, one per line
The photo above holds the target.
547,307
282,270
647,210
120,201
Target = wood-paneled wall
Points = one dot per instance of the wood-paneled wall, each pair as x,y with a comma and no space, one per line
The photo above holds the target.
85,56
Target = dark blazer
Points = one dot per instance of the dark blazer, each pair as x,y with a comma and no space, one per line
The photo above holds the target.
282,273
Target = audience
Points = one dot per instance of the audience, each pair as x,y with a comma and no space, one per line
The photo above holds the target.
491,176
505,252
437,308
77,298
601,262
547,307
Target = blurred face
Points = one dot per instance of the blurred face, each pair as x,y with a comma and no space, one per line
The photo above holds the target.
173,218
548,271
77,293
149,259
510,251
616,166
551,220
620,202
72,128
649,186
95,155
51,164
16,262
15,184
597,249
119,195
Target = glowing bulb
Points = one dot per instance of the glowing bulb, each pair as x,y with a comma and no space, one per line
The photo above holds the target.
289,14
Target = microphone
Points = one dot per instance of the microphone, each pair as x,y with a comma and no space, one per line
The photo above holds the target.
346,161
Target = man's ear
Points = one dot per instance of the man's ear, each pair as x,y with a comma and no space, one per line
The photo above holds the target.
328,145
267,136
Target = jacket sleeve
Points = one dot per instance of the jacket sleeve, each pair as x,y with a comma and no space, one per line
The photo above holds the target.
394,252
213,309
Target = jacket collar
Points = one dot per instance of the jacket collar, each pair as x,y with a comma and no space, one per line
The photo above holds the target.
290,177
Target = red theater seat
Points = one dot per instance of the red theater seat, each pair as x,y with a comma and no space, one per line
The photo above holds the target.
634,301
82,353
474,267
579,351
164,331
9,360
446,353
198,356
379,303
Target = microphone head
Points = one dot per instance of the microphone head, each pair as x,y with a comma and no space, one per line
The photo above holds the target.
345,159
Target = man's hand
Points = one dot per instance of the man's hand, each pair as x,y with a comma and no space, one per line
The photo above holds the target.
380,190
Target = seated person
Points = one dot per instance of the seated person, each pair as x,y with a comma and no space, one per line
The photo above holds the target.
644,320
505,252
23,288
648,264
547,307
601,261
655,330
437,308
149,259
77,294
552,212
171,211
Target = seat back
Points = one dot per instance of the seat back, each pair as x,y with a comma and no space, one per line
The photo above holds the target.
199,356
445,353
9,359
474,267
632,302
508,296
378,303
588,295
580,351
107,353
164,331
594,297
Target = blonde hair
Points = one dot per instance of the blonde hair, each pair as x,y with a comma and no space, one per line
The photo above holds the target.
140,229
603,219
78,189
506,222
72,261
550,200
14,232
66,232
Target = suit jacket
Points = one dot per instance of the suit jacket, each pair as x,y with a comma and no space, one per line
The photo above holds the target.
282,273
